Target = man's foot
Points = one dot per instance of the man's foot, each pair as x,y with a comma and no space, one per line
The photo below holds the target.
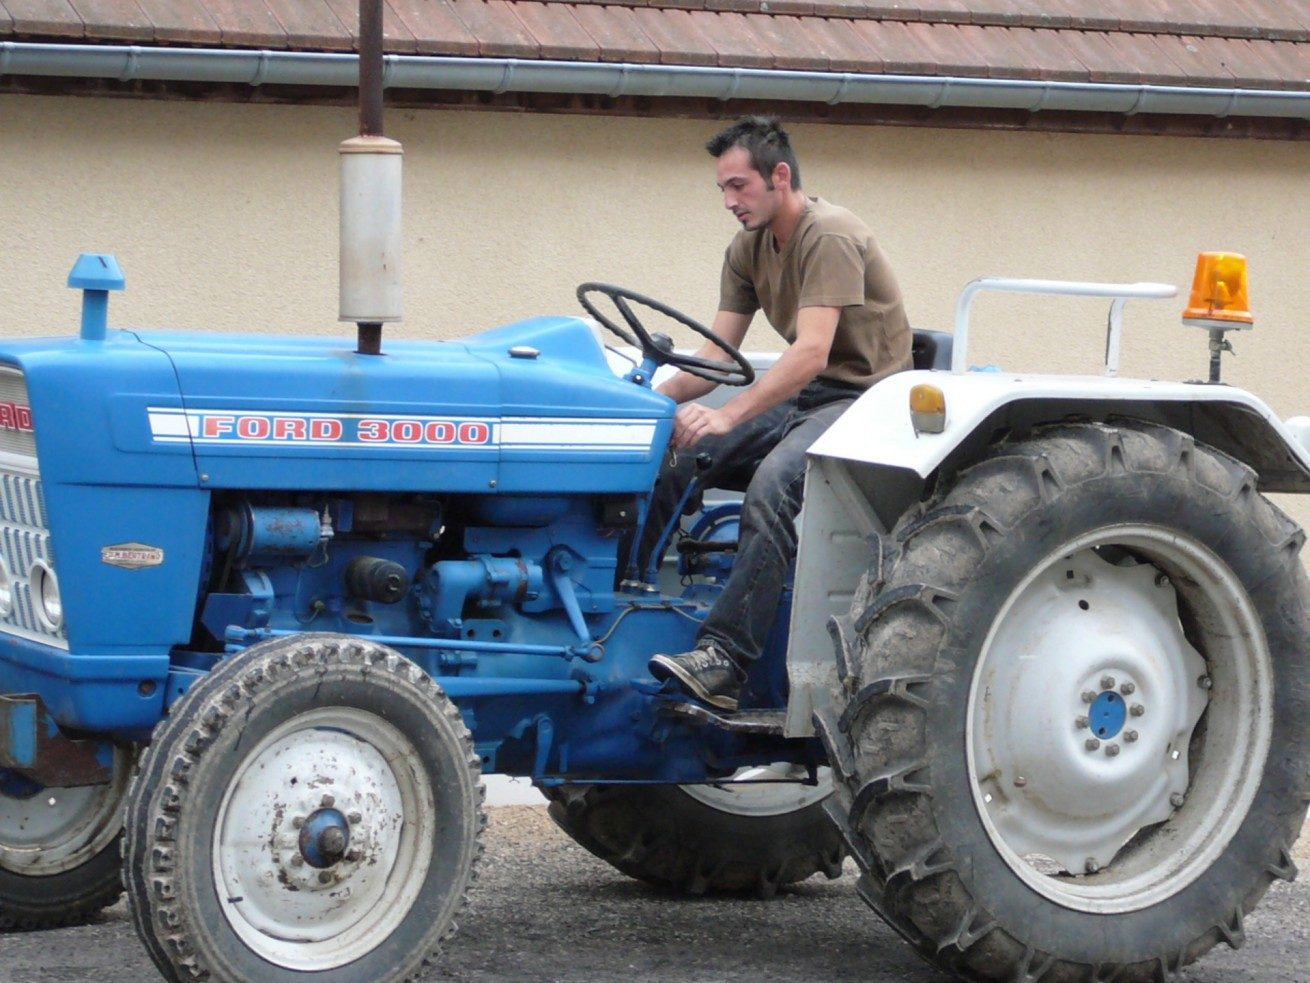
705,673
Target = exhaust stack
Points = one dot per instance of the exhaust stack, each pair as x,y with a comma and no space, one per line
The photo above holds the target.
370,201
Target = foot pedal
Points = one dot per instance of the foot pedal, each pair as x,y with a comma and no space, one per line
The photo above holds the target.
740,721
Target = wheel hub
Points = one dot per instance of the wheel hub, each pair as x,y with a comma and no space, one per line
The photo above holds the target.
318,847
1073,779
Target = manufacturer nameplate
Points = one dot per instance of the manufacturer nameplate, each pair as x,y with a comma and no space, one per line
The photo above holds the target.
131,556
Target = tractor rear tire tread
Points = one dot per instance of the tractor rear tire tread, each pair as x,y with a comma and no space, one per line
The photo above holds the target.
878,729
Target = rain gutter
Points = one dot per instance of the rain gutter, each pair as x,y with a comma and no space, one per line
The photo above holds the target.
500,75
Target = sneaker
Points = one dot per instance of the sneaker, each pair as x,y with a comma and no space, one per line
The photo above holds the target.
705,673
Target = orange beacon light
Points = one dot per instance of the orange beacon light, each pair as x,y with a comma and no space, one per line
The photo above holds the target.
1219,302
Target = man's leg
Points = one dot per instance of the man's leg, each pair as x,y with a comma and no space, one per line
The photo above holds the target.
734,634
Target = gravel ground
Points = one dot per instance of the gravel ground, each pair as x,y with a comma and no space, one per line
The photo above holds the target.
544,909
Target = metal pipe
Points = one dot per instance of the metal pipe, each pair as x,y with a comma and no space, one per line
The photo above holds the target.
370,72
131,63
1117,292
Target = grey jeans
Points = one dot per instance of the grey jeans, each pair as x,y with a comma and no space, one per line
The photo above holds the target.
766,456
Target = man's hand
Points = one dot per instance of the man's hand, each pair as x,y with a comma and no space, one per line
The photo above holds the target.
695,421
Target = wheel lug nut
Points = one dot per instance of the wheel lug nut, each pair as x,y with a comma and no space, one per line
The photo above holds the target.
1111,750
1107,682
1091,743
1091,866
1081,722
354,817
1137,710
297,821
1127,689
1130,736
327,801
1204,682
1177,799
297,861
325,877
1088,696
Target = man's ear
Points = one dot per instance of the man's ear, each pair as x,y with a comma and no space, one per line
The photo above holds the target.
781,176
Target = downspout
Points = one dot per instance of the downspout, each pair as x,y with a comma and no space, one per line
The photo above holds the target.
139,63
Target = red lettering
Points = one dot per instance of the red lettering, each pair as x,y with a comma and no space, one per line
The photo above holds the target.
288,428
474,433
253,427
439,432
407,431
373,431
324,429
216,426
24,414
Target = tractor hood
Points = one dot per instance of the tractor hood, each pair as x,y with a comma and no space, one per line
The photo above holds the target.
245,411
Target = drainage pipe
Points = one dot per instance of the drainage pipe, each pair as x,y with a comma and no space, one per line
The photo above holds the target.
220,65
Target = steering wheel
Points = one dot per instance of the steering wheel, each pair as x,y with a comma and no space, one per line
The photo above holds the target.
659,348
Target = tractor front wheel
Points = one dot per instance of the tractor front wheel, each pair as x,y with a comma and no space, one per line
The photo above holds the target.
310,809
59,848
1071,739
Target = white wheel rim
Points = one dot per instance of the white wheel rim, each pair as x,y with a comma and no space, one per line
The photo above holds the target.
1053,795
58,829
764,790
335,763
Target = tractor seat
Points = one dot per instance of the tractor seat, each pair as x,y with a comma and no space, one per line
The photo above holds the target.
931,350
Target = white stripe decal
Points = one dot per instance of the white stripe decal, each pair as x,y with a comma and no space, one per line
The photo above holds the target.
244,427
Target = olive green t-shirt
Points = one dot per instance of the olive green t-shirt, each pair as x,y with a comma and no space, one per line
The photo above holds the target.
830,260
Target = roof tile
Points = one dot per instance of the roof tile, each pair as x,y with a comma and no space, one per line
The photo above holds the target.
841,8
1102,61
396,37
49,17
1246,61
948,48
896,47
1152,62
846,50
737,43
1201,59
617,33
556,30
1276,19
311,24
792,46
500,34
117,20
1291,60
434,28
182,21
1047,52
247,23
678,35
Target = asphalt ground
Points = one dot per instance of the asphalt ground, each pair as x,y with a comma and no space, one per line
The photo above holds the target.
544,909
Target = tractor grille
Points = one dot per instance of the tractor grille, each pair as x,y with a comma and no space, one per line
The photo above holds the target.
24,527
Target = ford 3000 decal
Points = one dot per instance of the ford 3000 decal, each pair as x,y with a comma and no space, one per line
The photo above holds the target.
247,427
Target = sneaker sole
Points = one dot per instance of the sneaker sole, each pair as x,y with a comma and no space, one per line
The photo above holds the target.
692,685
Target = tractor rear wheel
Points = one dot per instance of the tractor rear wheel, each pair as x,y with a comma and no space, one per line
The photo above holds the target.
59,848
309,810
752,834
1071,741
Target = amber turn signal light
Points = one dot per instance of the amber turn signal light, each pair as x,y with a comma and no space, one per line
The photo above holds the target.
1219,293
927,408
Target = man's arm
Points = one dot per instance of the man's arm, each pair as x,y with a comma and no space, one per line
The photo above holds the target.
796,367
728,325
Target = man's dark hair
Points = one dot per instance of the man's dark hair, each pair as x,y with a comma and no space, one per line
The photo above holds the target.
765,140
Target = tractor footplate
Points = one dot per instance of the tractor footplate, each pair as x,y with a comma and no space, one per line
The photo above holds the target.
742,722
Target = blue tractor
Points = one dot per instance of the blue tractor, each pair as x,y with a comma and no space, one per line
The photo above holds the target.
270,606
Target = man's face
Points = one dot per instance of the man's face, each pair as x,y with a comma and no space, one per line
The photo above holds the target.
745,192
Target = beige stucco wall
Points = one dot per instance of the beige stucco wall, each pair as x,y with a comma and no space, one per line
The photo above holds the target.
224,218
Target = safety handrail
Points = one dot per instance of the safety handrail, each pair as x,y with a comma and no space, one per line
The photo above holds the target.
1120,293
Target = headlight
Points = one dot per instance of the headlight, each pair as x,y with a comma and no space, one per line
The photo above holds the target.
6,590
45,592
